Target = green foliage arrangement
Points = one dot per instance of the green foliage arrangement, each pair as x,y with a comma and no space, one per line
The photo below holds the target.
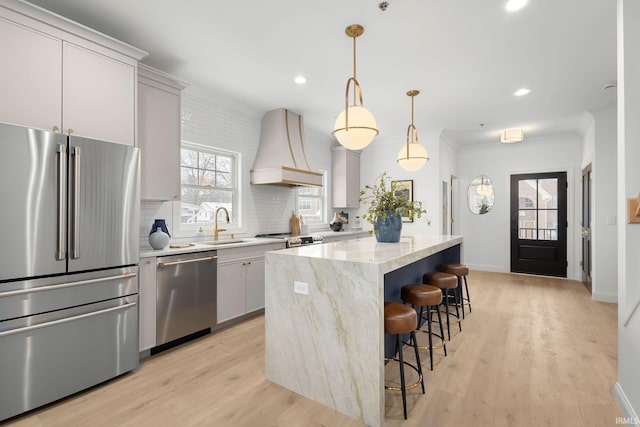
384,200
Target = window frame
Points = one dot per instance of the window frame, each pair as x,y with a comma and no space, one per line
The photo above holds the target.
322,222
236,198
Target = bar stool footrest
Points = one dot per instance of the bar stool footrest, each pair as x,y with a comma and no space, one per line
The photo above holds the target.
408,387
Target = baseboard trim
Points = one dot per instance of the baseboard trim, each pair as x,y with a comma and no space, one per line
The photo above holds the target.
489,268
605,297
625,405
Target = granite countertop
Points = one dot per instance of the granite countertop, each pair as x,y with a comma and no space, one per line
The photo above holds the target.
338,233
147,251
367,250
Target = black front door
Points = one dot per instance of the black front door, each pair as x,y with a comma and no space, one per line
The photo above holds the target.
539,223
586,227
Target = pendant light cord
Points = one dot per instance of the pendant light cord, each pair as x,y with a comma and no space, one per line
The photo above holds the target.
354,67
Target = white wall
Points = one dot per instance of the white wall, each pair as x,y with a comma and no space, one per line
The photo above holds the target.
487,237
628,387
381,155
265,208
449,168
603,207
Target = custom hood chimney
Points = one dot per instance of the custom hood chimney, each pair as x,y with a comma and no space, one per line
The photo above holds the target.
281,159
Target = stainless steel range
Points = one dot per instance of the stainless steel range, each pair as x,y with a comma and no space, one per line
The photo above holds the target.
292,241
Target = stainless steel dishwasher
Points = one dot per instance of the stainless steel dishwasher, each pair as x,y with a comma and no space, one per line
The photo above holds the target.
186,295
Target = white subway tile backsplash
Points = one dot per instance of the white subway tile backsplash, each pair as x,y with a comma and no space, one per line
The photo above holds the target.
265,208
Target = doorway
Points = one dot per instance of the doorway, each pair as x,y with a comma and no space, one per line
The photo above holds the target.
585,263
445,208
539,223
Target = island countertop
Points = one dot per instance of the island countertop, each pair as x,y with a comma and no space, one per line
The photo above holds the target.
389,256
324,311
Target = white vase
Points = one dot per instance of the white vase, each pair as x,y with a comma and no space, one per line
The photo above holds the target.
158,239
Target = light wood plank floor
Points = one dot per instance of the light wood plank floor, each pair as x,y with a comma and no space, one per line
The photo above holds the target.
534,352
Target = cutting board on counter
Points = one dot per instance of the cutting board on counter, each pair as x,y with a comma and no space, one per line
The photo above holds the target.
295,224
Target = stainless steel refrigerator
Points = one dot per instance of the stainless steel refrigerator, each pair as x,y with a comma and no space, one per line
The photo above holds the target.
68,265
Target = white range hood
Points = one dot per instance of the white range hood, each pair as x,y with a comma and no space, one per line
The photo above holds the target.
281,158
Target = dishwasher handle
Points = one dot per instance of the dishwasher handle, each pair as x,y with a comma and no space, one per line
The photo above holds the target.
186,261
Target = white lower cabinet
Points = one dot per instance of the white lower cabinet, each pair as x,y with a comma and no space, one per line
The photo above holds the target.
231,279
254,284
241,280
147,303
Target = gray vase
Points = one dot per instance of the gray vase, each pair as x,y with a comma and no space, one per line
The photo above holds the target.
158,239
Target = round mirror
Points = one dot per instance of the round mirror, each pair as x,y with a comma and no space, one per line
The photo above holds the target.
480,195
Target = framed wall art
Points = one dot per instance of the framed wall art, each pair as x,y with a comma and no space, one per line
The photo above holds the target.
404,188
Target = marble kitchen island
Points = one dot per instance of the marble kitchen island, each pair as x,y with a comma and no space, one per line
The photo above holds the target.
324,306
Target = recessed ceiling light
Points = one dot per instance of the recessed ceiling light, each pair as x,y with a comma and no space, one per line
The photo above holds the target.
513,5
522,92
300,80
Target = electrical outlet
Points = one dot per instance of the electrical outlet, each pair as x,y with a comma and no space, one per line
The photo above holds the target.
301,288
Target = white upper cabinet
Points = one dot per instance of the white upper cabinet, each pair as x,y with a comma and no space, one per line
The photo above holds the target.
159,134
345,178
98,98
58,75
30,77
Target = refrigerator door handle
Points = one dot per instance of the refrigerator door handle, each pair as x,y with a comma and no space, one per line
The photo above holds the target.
75,231
66,320
65,285
61,252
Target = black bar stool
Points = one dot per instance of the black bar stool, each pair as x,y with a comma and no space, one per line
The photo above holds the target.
448,283
429,297
401,319
461,271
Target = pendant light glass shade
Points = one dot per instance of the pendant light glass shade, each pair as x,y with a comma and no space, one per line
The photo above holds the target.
412,156
484,189
355,127
362,128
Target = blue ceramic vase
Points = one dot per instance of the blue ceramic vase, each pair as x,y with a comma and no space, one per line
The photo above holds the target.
388,230
159,235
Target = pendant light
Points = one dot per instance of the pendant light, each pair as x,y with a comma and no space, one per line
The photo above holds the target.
355,127
412,156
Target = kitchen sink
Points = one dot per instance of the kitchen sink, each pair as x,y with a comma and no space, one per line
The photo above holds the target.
223,242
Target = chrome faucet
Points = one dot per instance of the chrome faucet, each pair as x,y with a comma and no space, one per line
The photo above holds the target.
217,230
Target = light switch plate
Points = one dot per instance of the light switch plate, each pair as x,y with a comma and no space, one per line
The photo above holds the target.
301,288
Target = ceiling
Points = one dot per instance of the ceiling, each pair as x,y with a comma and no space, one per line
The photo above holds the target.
466,57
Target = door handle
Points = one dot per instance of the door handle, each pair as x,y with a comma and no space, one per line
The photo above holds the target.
585,233
186,261
61,252
66,320
75,241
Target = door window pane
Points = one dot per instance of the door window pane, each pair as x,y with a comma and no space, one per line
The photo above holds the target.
527,189
548,225
548,193
527,224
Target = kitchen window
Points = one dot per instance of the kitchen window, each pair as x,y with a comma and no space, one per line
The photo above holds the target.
208,181
311,202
